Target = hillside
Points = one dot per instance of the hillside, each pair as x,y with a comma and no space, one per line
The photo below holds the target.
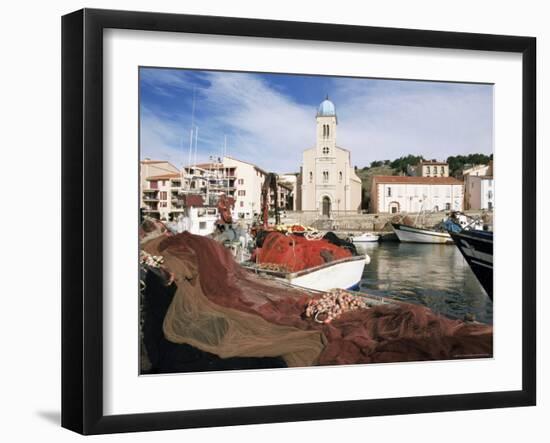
365,175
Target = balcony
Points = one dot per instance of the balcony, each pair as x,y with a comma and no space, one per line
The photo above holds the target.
150,198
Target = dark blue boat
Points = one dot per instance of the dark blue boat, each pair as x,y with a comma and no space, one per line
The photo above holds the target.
477,249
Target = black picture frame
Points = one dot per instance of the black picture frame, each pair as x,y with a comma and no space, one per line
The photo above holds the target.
82,218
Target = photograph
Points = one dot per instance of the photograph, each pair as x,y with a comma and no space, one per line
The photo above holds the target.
290,220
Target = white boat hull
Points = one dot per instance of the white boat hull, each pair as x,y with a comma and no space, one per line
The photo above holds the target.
410,234
365,238
343,274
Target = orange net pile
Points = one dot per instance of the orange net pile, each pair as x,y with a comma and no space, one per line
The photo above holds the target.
220,308
295,252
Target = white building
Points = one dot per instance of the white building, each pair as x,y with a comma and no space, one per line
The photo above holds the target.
160,195
429,168
290,181
479,192
150,168
249,180
395,194
328,181
478,170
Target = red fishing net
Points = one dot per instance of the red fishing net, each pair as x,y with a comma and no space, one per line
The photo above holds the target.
295,252
221,308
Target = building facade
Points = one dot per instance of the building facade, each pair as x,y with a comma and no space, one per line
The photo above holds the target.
150,168
327,179
429,168
163,196
249,179
478,170
290,182
160,195
394,194
479,192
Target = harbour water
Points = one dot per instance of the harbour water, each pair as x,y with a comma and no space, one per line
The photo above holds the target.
433,275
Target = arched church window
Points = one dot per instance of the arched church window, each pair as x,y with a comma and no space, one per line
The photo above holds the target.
326,150
310,177
340,176
325,176
328,131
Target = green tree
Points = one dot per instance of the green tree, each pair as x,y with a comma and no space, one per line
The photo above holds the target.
458,162
401,163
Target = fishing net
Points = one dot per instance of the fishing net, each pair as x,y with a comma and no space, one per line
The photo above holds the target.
296,252
229,322
220,308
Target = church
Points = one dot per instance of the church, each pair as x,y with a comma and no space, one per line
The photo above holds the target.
327,179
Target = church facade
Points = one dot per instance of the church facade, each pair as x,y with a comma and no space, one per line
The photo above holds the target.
327,178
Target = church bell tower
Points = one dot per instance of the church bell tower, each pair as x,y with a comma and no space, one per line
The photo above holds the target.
326,129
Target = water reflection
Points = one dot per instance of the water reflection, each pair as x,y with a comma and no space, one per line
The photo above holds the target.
436,276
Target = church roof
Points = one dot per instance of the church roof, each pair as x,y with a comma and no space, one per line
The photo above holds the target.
406,180
326,109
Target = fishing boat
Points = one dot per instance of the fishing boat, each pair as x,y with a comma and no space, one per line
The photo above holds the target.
440,233
413,234
345,273
477,248
365,237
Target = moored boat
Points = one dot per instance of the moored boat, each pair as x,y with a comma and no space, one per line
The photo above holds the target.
344,273
412,234
477,249
365,237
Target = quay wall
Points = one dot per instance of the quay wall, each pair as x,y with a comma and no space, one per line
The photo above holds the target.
367,222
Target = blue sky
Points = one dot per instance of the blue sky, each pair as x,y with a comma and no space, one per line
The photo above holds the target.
269,119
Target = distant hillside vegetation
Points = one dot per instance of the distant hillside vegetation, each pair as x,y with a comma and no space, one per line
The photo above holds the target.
365,175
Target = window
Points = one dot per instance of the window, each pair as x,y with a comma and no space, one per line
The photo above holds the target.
340,176
242,193
490,194
328,131
242,204
427,169
442,170
325,176
202,225
163,195
389,191
490,206
326,150
447,206
154,184
163,204
311,177
240,181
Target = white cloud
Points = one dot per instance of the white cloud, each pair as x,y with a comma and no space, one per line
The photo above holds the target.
161,137
433,120
377,119
267,127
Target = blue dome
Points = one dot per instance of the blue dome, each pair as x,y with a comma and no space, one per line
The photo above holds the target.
326,109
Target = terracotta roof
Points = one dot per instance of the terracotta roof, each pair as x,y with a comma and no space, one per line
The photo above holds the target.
164,176
194,200
150,162
416,180
248,163
436,163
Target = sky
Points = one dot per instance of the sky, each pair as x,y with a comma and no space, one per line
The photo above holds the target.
269,119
